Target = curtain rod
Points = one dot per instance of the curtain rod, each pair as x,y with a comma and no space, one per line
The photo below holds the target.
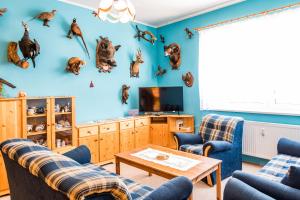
267,12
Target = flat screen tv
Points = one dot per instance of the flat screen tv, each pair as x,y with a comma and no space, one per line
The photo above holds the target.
160,99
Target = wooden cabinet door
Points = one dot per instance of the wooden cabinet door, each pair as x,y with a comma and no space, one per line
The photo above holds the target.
159,134
92,143
126,140
107,146
142,136
11,119
3,179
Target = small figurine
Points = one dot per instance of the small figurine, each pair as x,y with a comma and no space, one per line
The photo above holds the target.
75,30
142,34
173,51
30,49
188,79
135,65
46,17
125,93
74,65
162,38
105,53
2,11
160,71
189,33
40,127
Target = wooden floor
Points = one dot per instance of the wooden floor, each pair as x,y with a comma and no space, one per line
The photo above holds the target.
201,190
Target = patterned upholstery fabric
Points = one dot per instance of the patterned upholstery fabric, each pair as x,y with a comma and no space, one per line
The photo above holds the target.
195,149
136,190
278,167
62,173
218,127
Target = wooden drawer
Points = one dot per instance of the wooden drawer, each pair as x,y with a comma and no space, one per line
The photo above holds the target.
126,124
142,122
105,128
88,131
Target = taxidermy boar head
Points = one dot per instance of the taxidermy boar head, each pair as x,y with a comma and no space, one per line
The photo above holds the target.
173,51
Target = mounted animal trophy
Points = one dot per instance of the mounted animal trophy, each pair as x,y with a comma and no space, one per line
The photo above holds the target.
146,35
2,81
30,49
13,57
188,79
173,51
162,39
125,93
135,65
105,53
76,31
46,17
189,33
2,11
160,71
74,65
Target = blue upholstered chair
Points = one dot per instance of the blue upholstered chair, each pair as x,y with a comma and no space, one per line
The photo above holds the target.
278,179
219,137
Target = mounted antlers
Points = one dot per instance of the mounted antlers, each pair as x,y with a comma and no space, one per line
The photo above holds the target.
143,34
135,65
173,51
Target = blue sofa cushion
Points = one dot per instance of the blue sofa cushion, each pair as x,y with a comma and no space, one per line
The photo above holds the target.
195,149
292,178
278,167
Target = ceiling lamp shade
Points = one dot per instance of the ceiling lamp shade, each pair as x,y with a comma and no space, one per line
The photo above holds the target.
116,11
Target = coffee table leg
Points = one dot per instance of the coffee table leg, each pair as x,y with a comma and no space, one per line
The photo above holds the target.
218,173
117,166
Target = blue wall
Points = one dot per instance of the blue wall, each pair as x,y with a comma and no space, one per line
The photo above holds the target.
175,33
50,78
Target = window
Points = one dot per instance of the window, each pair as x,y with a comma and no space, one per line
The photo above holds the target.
252,65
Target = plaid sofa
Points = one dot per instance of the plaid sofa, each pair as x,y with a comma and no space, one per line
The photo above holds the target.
34,172
266,184
219,137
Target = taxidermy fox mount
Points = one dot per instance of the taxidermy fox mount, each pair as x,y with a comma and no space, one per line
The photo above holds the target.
30,49
75,30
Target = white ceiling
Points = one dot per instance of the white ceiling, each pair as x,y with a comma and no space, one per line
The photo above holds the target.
158,13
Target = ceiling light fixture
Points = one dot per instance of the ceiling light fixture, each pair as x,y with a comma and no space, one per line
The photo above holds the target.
116,11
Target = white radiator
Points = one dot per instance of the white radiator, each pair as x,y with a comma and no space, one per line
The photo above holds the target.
260,138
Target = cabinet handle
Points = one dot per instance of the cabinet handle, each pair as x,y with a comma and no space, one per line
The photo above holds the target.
89,132
101,139
95,140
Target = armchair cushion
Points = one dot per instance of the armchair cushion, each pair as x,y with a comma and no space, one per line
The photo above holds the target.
178,188
184,138
218,127
289,147
80,154
217,146
195,149
271,188
292,178
278,167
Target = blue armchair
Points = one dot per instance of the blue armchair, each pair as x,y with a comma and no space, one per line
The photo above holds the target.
219,137
269,183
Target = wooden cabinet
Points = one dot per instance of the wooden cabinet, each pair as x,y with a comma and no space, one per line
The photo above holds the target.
92,142
11,126
141,137
4,188
109,141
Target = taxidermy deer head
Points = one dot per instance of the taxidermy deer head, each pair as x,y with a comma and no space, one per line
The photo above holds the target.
2,11
135,65
125,93
188,79
173,51
105,53
74,65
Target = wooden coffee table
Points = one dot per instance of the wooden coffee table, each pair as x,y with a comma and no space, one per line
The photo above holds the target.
195,174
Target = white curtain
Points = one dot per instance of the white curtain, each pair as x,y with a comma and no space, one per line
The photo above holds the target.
252,65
